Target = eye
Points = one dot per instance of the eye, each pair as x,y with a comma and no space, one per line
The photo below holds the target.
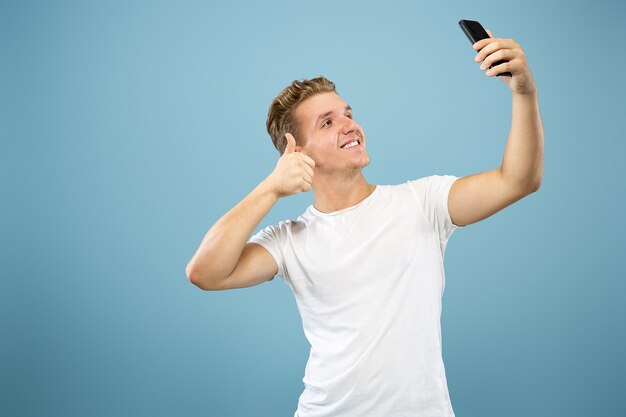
349,115
327,123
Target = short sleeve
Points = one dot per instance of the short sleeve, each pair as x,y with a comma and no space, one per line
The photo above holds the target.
432,194
270,238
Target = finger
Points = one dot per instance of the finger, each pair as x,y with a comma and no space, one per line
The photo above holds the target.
504,67
308,170
306,186
493,46
291,143
310,162
501,55
482,43
308,178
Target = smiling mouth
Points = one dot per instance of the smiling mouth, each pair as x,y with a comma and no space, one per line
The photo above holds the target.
351,144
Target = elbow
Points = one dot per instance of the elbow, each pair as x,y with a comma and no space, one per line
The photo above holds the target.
191,274
536,185
531,189
194,277
532,185
200,279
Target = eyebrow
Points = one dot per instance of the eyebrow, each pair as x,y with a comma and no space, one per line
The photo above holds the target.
328,113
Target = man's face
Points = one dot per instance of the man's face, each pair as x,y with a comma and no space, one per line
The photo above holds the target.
327,125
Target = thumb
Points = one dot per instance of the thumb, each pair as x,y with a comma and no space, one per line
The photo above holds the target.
291,143
489,33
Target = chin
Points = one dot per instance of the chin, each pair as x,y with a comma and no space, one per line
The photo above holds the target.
362,163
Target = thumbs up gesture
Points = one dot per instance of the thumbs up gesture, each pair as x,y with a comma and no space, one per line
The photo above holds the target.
294,171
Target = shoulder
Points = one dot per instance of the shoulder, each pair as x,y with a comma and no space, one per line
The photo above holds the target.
288,226
432,184
432,180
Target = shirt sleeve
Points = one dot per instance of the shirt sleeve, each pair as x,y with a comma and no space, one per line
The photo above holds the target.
432,194
271,238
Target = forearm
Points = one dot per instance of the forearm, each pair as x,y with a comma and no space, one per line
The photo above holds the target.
223,244
522,163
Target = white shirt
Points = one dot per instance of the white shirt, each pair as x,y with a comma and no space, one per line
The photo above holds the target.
368,282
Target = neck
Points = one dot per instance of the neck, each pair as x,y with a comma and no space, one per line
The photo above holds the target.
332,194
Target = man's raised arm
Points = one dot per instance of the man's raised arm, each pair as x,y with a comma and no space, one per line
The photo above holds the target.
219,254
478,196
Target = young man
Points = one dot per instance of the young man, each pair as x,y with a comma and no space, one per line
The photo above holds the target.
365,262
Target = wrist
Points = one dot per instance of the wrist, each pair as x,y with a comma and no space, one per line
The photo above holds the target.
525,90
532,93
266,187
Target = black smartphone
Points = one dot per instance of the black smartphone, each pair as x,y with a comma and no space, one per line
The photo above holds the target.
475,32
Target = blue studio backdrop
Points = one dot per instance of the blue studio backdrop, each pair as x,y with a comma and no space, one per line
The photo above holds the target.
128,128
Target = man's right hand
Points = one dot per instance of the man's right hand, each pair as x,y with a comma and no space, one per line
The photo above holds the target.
293,173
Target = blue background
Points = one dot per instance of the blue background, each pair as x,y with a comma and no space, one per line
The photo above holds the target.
128,128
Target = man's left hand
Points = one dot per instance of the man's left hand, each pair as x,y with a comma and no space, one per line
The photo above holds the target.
498,49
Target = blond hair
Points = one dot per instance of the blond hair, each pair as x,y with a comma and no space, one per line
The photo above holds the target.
281,117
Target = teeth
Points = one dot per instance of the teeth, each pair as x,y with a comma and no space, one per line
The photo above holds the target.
351,144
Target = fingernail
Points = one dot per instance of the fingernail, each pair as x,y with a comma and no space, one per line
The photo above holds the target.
477,58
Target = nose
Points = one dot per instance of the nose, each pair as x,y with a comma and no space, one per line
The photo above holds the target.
349,125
